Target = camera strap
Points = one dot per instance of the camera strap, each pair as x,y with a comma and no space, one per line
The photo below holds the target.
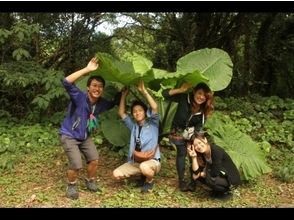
140,128
138,137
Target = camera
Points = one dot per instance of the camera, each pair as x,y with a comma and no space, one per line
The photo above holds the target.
138,145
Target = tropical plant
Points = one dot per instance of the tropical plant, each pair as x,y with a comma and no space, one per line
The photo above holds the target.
212,66
246,154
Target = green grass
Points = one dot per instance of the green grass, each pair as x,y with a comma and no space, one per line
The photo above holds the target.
38,180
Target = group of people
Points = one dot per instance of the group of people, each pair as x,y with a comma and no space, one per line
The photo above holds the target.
209,163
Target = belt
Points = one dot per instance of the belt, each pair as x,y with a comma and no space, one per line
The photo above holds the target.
158,159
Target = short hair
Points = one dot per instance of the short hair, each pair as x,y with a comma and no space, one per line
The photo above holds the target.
138,102
98,78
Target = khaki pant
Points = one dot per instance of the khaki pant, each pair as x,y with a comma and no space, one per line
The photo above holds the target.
131,169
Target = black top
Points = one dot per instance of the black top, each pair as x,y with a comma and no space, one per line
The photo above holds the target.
221,161
183,113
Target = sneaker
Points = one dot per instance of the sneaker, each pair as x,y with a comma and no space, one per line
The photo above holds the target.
72,191
140,182
92,185
183,186
147,187
191,186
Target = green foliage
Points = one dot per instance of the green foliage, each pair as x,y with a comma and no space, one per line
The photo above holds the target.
245,153
263,118
19,53
19,139
281,159
47,102
21,34
289,114
286,171
4,34
34,91
267,120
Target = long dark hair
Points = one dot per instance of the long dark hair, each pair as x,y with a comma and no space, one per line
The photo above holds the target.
206,107
198,134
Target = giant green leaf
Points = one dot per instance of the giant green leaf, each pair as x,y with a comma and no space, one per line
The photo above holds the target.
213,64
126,72
112,69
113,128
167,110
245,153
140,64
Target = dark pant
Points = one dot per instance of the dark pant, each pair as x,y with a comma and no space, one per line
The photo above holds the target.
218,183
180,160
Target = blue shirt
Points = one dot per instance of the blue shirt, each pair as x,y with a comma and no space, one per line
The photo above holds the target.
75,123
148,135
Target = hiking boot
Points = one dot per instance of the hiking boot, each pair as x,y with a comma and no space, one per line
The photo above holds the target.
147,187
72,191
92,185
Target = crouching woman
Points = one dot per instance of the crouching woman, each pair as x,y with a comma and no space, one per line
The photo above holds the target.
212,166
144,139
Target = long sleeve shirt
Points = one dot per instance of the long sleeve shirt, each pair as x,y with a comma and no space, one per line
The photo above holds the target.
75,122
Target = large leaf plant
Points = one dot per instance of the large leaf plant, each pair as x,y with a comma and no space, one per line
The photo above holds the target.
246,154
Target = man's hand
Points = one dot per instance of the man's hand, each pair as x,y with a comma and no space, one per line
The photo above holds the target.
125,91
141,87
93,64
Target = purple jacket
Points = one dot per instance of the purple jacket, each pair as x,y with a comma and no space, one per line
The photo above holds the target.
75,123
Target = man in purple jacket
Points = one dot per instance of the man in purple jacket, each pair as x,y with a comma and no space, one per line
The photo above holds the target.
80,121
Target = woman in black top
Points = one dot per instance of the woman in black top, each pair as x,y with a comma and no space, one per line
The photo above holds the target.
193,109
212,165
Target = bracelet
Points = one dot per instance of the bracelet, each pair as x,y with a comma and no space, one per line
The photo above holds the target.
196,171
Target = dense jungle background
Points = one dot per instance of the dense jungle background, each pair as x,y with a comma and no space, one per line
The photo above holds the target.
38,49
